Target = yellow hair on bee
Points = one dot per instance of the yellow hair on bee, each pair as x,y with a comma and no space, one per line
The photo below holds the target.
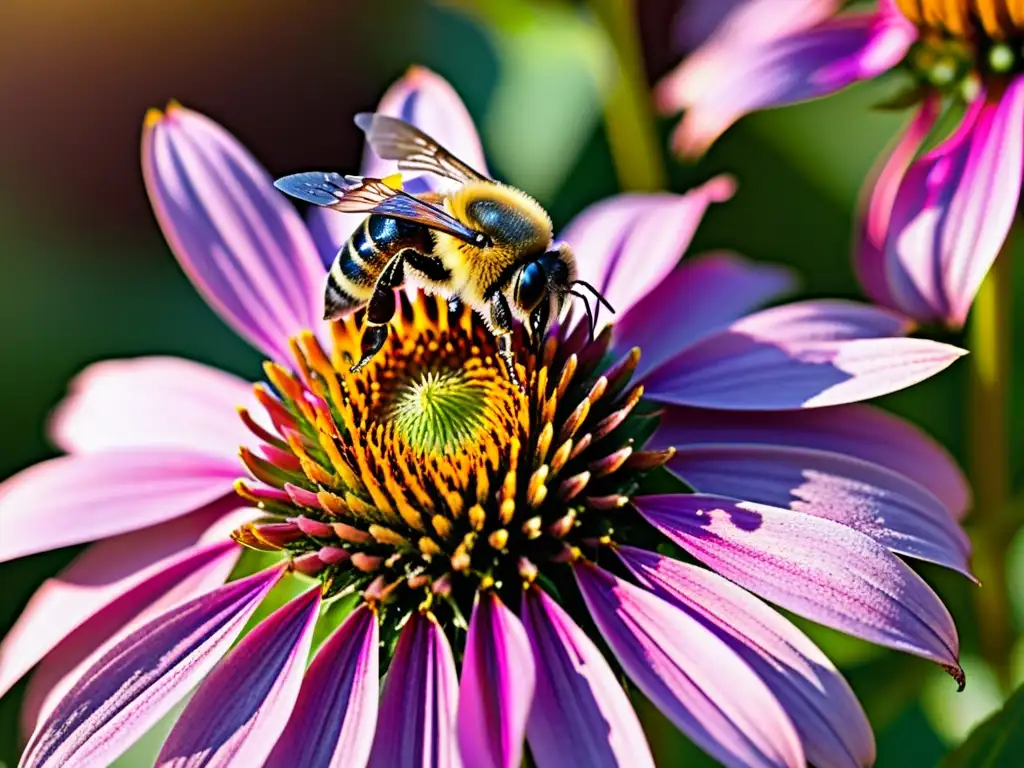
459,202
516,225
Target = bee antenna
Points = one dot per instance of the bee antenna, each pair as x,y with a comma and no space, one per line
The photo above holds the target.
591,319
599,300
597,294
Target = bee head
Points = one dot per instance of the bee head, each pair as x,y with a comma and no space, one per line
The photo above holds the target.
559,270
540,286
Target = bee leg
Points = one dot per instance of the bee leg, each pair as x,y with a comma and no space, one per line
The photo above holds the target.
379,311
538,324
501,326
429,271
373,339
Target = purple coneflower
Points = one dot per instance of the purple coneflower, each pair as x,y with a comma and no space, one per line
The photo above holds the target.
478,526
935,214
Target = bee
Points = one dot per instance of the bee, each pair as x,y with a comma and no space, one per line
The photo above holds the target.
484,244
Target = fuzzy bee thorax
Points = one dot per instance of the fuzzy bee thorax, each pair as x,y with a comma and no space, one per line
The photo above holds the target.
508,216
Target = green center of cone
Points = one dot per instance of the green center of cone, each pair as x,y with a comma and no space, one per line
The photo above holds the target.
439,412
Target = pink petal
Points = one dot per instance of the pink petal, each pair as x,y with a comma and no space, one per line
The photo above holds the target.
860,431
876,203
136,682
496,689
334,718
692,676
716,289
243,705
416,721
581,714
237,238
626,245
954,210
699,20
719,28
816,568
193,572
740,73
893,510
80,498
751,21
152,402
106,572
823,320
804,355
828,717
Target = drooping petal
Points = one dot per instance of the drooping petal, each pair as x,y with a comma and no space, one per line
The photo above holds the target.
828,717
954,209
208,565
823,320
243,705
716,289
691,675
816,568
137,681
581,714
803,355
237,238
496,689
152,402
66,663
416,721
107,572
73,499
710,21
861,431
738,73
334,719
711,31
876,202
626,245
893,510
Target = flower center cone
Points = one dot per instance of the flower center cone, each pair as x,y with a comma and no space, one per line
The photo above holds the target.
429,471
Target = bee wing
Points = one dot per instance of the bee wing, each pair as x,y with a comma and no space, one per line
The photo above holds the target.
394,139
356,194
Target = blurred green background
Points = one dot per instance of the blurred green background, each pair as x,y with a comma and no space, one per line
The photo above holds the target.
86,274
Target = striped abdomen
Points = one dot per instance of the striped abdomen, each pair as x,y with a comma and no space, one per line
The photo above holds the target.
361,260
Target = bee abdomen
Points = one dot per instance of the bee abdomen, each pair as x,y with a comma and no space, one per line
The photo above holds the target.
360,261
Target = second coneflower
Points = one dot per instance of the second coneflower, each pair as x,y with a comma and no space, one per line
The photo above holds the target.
940,208
497,540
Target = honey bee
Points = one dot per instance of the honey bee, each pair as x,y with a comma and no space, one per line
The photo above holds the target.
485,244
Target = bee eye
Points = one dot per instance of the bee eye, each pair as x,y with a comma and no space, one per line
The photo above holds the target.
531,284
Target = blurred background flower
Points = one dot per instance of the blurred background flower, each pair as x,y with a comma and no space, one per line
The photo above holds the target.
936,217
77,77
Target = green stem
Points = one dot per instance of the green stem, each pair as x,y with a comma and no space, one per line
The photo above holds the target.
989,467
627,109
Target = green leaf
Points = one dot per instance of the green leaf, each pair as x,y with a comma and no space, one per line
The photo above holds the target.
996,743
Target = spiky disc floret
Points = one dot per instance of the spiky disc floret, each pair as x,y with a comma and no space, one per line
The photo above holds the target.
429,472
963,44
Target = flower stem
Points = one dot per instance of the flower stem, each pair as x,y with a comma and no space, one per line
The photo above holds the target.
627,108
989,460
